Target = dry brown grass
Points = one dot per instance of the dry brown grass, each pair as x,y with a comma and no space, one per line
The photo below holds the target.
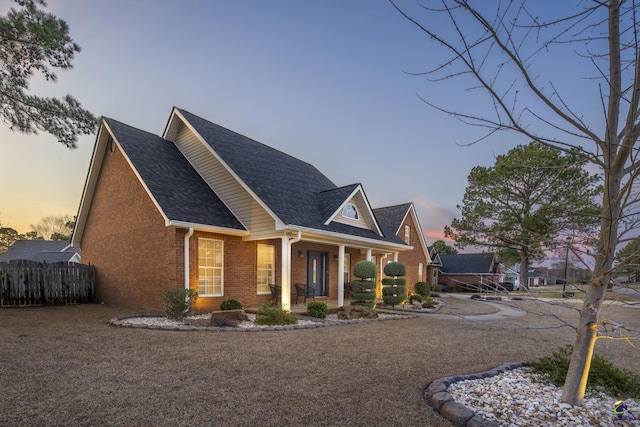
65,366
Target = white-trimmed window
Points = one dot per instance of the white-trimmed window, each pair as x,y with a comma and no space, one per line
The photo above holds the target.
435,277
266,263
347,267
407,234
420,272
350,211
210,271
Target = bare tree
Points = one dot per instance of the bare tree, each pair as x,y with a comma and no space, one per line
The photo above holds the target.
522,56
54,227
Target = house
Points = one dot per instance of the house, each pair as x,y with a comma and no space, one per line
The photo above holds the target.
48,251
205,208
475,269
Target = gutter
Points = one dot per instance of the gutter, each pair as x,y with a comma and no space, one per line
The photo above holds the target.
186,257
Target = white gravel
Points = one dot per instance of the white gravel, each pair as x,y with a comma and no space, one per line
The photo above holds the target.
164,321
513,399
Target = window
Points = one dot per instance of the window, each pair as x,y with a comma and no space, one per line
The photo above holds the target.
210,277
350,211
420,272
347,267
266,262
435,276
407,234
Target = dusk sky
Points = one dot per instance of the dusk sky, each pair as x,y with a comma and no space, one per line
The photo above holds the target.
322,80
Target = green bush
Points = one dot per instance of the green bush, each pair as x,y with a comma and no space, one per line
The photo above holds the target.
422,288
270,314
603,376
178,302
317,309
394,269
437,288
231,304
363,290
394,291
365,270
416,297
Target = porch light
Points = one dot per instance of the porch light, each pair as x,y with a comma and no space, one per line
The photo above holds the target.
301,254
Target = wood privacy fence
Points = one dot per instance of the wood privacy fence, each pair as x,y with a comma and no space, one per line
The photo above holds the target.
24,283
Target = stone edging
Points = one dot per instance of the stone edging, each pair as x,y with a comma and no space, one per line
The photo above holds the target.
435,394
318,323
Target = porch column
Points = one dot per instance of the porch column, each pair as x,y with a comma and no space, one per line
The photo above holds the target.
395,257
340,275
285,274
369,254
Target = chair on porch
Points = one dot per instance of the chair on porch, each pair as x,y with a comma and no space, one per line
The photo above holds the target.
276,293
305,291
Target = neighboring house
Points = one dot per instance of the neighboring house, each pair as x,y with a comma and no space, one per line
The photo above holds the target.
511,275
473,269
402,220
434,267
205,208
48,251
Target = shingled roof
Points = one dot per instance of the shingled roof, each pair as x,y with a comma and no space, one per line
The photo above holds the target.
178,189
40,251
294,190
478,263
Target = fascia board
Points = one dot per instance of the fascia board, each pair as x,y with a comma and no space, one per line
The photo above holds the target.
209,228
279,222
339,238
90,183
423,241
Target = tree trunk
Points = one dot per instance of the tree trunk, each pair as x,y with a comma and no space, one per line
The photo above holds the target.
524,272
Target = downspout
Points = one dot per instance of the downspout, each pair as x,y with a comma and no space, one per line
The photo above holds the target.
186,257
285,294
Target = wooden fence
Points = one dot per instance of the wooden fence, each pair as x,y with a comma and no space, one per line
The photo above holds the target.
24,283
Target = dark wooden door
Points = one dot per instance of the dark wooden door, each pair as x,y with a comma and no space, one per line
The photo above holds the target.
316,272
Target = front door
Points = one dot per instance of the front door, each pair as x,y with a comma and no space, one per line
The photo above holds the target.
316,272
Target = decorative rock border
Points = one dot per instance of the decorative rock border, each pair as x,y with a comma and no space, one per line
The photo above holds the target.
121,322
436,396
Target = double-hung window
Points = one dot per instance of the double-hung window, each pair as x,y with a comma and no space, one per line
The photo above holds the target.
265,271
210,271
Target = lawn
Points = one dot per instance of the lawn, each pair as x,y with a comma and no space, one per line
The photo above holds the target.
64,366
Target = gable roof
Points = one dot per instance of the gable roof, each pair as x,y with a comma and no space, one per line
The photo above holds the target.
294,190
179,191
479,263
41,251
391,219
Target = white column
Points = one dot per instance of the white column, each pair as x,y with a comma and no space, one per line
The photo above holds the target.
340,275
285,275
395,257
369,254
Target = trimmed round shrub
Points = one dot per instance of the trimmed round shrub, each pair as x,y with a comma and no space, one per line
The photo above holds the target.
317,309
394,291
394,269
362,286
365,270
231,304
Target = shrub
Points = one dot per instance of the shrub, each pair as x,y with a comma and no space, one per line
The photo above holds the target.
437,288
269,314
231,304
428,302
415,297
603,376
317,309
178,302
422,288
363,291
394,291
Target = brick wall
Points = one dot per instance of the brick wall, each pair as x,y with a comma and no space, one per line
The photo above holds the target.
126,240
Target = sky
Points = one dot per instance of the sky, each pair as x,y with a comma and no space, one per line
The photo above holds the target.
323,80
